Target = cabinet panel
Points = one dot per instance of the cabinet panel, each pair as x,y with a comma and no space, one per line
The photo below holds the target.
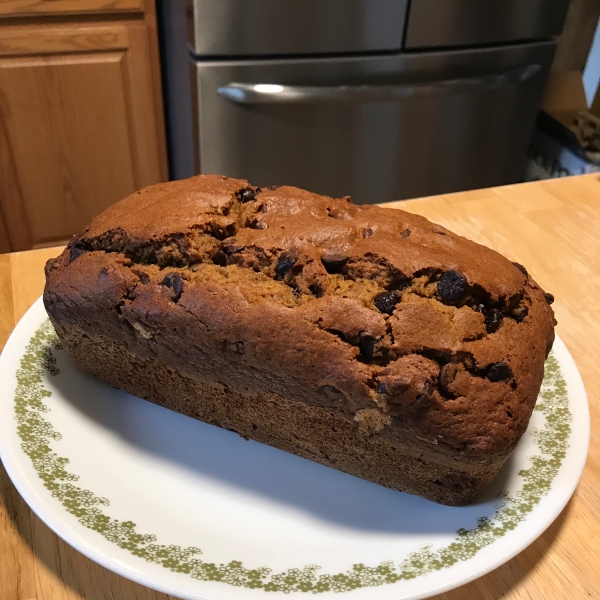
78,127
15,8
19,41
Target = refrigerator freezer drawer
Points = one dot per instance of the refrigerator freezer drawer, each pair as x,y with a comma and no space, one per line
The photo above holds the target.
447,23
378,128
295,27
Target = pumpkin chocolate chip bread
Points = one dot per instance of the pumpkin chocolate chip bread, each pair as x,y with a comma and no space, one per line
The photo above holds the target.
364,338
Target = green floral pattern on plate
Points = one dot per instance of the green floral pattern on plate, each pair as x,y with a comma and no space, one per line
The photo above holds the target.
36,434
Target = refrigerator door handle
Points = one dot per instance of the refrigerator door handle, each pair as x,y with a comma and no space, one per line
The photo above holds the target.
273,93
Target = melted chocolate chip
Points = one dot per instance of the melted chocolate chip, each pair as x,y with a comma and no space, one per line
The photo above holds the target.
493,320
247,195
366,344
367,233
519,313
386,301
423,400
447,375
549,298
231,247
521,268
446,378
452,286
316,290
405,233
381,388
220,258
175,282
334,263
75,251
284,263
499,371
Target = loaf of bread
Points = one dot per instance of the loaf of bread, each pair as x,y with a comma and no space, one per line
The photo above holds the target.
364,338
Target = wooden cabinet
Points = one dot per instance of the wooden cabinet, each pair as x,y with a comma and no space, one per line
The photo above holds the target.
12,8
81,122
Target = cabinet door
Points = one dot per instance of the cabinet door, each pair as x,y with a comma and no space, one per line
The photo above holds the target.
80,126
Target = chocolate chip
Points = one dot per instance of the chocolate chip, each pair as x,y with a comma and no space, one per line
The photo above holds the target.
334,331
175,282
404,234
447,374
493,320
423,400
143,277
499,371
386,301
521,268
316,290
231,247
381,388
452,286
519,313
284,263
367,233
218,231
220,258
246,195
549,298
334,263
396,389
75,251
366,343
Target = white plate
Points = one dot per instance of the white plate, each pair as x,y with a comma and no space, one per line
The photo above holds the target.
198,512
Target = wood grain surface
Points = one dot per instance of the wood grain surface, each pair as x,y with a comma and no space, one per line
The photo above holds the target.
553,228
19,8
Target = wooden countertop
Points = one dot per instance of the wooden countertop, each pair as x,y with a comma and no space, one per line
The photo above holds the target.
553,228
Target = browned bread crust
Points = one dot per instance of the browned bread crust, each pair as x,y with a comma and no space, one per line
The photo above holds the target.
365,338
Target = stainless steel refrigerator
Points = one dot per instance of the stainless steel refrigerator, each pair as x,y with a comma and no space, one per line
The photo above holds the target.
377,99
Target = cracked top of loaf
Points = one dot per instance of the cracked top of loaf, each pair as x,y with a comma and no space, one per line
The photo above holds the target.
410,330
